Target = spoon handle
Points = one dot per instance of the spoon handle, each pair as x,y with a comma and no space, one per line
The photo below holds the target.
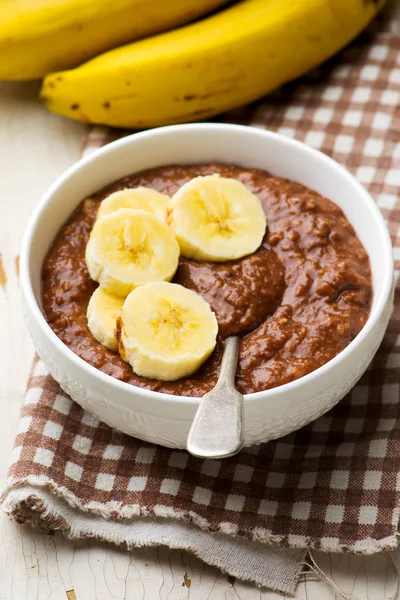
217,429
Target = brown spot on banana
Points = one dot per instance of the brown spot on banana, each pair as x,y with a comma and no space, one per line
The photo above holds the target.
195,114
189,97
107,105
198,113
76,108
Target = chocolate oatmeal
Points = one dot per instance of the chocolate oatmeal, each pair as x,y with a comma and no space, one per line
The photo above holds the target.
297,301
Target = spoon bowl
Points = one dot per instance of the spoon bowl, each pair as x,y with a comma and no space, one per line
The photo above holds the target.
217,430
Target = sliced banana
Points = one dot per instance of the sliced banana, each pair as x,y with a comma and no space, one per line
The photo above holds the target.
128,248
216,218
141,198
102,313
166,331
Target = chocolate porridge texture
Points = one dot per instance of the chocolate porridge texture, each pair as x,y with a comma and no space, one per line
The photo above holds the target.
297,301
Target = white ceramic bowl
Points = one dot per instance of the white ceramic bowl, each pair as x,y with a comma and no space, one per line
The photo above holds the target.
165,419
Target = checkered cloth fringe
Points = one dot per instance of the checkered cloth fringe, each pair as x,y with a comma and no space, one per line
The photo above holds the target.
335,484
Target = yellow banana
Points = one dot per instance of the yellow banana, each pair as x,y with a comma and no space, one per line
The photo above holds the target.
40,36
216,218
128,248
102,313
141,198
216,64
166,331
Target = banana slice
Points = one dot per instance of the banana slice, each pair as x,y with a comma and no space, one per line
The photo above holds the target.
166,331
102,312
128,248
216,218
141,198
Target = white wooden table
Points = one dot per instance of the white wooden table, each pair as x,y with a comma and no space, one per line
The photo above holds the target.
35,147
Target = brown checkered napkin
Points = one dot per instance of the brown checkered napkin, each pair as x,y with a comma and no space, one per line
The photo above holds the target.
335,484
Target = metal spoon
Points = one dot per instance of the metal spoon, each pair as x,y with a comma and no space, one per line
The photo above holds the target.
217,430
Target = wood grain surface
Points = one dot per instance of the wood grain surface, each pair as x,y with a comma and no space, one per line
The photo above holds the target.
35,147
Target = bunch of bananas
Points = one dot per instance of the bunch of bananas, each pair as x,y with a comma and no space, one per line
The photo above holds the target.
232,57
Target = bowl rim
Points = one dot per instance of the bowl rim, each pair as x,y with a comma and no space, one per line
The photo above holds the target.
28,241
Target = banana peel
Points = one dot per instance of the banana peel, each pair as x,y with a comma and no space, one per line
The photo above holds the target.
40,36
219,63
